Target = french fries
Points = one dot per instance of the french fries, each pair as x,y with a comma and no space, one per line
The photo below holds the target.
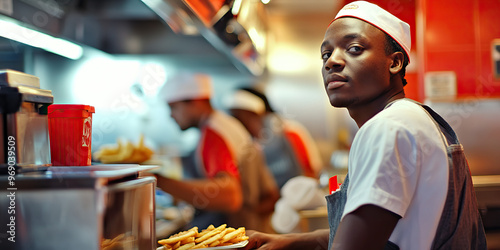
124,152
209,237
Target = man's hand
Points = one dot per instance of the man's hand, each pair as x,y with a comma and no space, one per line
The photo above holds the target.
317,240
258,240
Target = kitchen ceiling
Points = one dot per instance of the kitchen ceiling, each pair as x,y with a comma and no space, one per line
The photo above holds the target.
301,6
131,27
296,30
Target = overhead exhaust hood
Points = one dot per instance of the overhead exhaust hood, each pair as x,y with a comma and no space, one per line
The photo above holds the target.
205,28
221,26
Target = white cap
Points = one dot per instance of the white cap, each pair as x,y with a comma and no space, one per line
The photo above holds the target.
245,100
186,86
380,18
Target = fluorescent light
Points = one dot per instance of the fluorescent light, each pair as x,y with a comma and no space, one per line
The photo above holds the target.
265,1
236,7
258,40
37,39
104,82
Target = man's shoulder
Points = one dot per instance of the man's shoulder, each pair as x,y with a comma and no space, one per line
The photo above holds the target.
403,113
224,123
227,128
402,108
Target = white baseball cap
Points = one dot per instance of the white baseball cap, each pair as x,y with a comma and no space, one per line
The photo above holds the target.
380,18
245,100
186,86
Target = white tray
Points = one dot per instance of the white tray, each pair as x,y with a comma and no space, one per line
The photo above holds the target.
233,246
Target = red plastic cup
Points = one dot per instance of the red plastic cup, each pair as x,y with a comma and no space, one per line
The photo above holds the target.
70,132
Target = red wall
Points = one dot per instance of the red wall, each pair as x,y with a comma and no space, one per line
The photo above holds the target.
457,36
450,35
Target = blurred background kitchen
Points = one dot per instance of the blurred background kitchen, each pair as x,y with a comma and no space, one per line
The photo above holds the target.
120,52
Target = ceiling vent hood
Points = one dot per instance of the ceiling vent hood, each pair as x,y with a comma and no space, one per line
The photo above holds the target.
204,28
235,28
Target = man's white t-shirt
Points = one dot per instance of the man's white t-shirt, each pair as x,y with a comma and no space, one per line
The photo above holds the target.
398,161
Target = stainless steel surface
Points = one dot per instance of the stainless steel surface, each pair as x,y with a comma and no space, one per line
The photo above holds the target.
107,171
24,118
183,19
129,27
476,122
485,181
79,207
487,192
31,132
14,78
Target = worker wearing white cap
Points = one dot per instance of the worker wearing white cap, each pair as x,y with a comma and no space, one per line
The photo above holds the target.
288,147
224,157
408,184
248,109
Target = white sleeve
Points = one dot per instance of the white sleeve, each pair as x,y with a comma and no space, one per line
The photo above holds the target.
383,167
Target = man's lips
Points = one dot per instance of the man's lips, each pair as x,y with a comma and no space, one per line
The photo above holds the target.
335,81
335,85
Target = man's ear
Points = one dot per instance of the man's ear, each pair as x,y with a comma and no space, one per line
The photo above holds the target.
397,62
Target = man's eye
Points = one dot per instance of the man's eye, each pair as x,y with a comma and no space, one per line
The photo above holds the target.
355,49
325,56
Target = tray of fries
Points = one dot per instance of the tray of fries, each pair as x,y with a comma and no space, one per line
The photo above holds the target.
221,237
124,152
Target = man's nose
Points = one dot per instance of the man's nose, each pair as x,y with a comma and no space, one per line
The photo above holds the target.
335,61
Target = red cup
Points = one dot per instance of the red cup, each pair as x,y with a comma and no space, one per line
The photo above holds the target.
70,132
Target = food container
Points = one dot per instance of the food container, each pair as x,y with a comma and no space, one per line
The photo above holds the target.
70,131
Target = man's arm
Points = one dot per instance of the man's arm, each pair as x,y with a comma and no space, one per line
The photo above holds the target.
368,227
221,193
313,240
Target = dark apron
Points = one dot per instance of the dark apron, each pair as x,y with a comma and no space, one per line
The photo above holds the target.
460,226
280,157
335,203
201,218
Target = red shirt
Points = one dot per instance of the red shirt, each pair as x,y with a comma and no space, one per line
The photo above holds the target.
216,155
222,145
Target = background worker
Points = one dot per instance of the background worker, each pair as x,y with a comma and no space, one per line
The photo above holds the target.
288,147
228,168
408,184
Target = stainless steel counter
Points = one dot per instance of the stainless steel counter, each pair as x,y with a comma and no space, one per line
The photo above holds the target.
78,208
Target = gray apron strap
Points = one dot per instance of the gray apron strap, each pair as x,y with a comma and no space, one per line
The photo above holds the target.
460,225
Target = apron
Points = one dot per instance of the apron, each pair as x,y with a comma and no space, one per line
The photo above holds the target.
460,225
335,204
280,156
201,218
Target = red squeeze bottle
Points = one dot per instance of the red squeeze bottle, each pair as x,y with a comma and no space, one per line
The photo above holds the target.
333,184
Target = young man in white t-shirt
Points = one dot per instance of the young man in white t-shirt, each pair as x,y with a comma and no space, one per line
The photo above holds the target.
401,191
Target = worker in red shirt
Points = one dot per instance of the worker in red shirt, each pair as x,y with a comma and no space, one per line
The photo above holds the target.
289,148
229,170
